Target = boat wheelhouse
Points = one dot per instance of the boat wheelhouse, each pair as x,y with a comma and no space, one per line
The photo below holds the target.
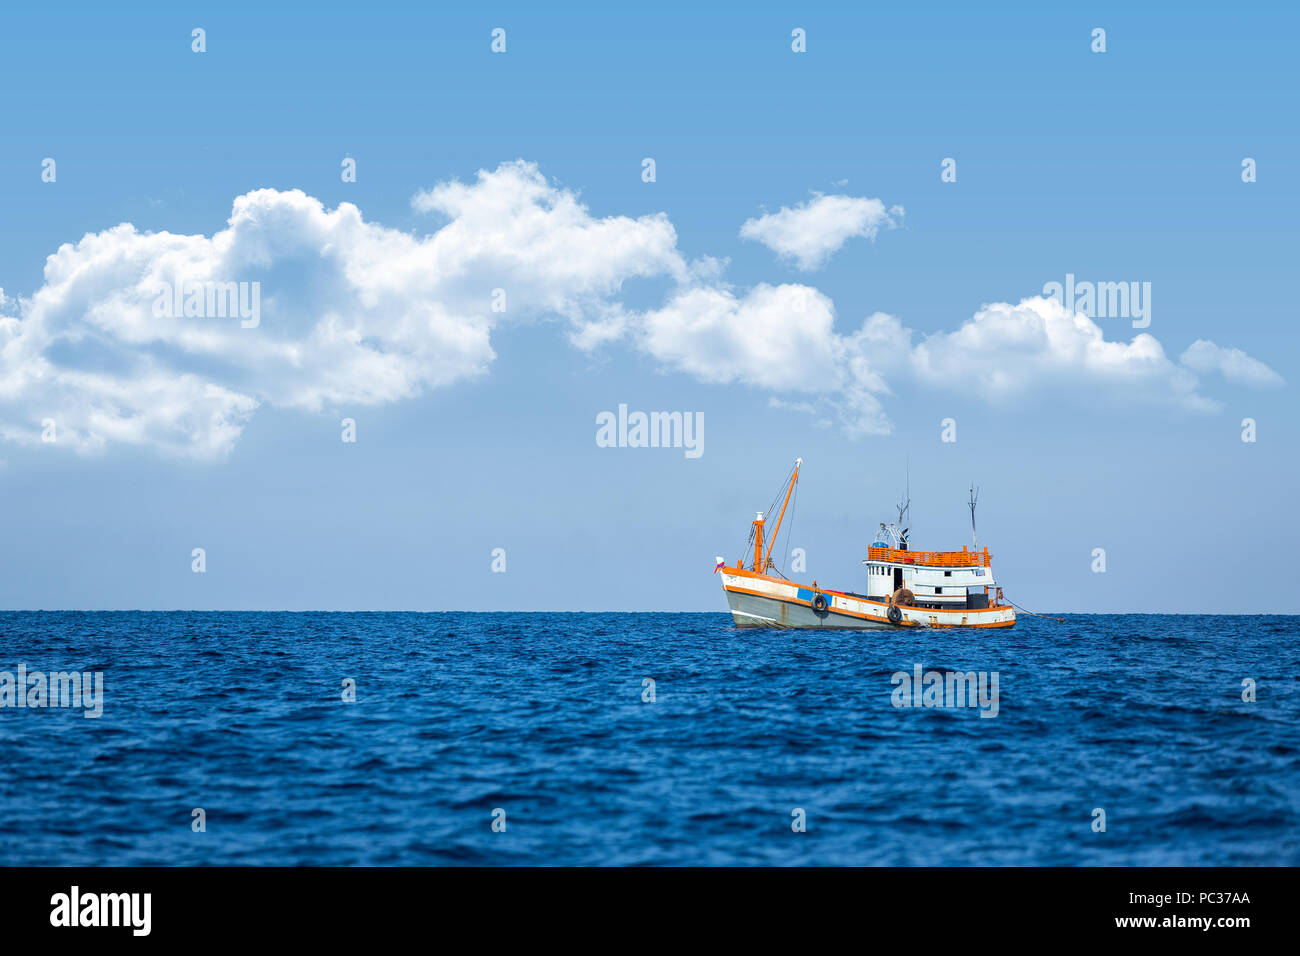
904,588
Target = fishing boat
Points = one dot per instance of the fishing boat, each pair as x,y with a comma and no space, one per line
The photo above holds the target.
904,588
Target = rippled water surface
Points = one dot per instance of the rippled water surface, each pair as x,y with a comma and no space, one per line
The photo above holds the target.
542,716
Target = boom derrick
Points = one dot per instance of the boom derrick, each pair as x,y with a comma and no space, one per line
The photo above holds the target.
794,477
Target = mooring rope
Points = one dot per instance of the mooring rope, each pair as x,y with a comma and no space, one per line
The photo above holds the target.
1045,617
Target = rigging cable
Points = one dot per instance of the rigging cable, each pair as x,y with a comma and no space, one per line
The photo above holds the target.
794,509
1045,617
768,512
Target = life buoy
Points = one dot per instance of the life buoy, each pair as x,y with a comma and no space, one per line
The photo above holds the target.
894,614
820,603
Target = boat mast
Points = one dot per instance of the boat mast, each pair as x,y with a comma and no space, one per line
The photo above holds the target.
974,497
794,477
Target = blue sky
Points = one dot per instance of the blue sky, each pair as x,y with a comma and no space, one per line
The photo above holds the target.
476,430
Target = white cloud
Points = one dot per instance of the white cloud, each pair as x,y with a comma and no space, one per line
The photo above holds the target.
1002,352
811,232
512,223
1233,364
1006,350
352,313
778,338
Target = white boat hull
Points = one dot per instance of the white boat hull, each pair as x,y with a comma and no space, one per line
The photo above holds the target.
761,601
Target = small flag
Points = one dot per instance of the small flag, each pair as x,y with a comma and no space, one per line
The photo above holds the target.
720,565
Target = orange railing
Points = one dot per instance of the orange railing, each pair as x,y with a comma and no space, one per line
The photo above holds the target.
931,559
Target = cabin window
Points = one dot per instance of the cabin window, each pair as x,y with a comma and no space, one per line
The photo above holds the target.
947,574
938,590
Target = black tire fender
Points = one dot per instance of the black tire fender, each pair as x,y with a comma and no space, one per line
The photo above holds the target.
819,603
894,614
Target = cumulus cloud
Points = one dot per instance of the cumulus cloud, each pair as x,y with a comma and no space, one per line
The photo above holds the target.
1006,350
783,339
1233,364
351,312
812,231
779,338
355,313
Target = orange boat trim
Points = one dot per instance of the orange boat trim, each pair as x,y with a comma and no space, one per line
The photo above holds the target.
867,617
932,559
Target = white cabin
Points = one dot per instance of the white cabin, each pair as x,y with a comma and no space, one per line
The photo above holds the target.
940,579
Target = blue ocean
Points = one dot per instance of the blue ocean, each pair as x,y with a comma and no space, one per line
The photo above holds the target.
647,739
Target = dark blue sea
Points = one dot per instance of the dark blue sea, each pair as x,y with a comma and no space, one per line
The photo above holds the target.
545,718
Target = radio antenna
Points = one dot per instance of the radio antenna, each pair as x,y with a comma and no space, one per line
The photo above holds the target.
904,507
974,497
